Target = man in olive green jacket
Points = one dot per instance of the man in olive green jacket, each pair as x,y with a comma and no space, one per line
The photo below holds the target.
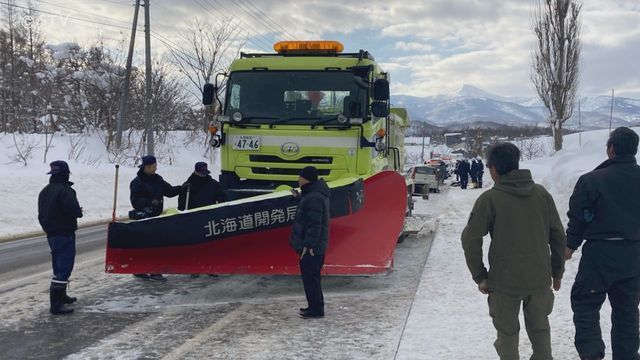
525,255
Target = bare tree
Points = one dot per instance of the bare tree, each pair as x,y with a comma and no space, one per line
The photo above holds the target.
210,50
77,144
556,59
25,147
531,148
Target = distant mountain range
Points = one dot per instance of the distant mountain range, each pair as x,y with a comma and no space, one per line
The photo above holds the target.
473,107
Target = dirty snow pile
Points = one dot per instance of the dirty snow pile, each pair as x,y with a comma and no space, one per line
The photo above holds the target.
449,317
92,171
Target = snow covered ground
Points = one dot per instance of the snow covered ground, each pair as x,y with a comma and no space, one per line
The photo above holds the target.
252,317
449,317
92,173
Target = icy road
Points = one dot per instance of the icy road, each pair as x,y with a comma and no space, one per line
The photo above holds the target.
225,317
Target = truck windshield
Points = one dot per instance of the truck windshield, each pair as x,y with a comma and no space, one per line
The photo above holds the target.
293,97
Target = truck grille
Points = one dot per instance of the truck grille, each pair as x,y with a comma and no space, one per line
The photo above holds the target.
276,171
279,160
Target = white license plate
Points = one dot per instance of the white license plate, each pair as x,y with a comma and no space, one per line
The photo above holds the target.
244,142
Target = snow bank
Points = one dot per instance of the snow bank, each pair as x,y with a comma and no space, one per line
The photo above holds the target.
560,172
91,171
449,318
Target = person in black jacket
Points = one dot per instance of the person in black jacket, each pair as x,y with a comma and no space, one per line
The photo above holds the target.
148,190
463,171
310,237
58,213
604,211
480,172
473,172
203,189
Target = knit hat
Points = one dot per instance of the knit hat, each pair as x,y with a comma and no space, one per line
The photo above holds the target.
59,167
310,173
148,160
201,167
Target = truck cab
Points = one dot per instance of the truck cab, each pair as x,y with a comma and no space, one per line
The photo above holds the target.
307,104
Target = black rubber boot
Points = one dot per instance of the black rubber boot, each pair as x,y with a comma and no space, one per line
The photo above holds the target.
56,296
66,299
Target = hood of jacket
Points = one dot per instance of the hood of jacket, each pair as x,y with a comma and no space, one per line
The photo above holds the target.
319,186
517,182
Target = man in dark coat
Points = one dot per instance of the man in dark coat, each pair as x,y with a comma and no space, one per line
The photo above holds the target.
203,189
473,172
148,190
463,171
480,172
310,237
58,211
604,210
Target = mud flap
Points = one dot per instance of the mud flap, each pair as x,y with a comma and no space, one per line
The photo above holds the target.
250,236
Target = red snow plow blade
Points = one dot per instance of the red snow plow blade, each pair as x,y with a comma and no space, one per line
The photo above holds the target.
367,219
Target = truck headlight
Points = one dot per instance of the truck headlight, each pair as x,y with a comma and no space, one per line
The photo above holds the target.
237,116
342,119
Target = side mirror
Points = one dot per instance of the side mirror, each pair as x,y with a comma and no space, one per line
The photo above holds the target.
208,94
379,109
381,90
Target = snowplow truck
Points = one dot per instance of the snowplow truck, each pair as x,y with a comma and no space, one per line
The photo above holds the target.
309,103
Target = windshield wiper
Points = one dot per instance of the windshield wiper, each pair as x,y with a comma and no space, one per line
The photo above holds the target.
327,120
286,120
259,117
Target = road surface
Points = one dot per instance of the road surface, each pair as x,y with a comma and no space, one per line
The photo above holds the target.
225,317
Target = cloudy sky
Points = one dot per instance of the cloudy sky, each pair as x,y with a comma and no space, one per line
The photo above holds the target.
429,46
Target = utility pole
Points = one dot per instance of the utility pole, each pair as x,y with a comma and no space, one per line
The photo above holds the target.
147,71
422,157
12,82
127,78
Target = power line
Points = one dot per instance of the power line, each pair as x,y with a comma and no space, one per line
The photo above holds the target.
64,16
157,36
264,44
84,12
260,20
284,30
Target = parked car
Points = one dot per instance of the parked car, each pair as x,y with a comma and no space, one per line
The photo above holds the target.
425,178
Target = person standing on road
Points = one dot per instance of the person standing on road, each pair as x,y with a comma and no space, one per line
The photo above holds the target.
463,171
310,237
526,255
473,172
148,190
480,172
58,213
604,210
203,189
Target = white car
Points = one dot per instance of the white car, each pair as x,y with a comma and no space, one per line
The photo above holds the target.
424,178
